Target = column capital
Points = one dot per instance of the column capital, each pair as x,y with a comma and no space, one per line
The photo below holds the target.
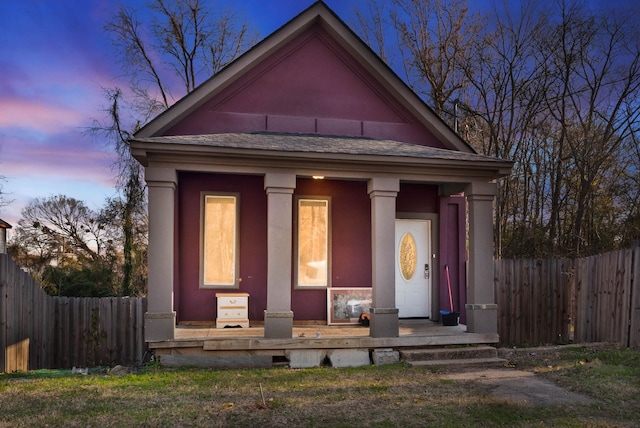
160,177
279,182
383,186
479,189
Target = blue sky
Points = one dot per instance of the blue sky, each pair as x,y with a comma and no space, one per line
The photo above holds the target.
55,58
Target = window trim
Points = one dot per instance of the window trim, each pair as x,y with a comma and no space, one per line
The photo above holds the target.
296,267
201,267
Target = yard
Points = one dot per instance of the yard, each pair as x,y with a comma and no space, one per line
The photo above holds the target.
395,395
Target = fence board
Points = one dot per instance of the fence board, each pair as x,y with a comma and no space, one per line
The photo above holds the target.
556,301
38,331
4,298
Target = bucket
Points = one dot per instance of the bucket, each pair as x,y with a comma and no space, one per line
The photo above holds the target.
449,318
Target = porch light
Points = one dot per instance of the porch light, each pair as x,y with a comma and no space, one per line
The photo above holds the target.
318,177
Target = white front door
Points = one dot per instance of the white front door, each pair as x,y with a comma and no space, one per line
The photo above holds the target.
413,268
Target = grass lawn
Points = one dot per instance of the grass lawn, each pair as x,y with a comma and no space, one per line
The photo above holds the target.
394,395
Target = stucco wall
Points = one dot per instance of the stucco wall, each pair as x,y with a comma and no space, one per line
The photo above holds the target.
453,253
311,85
194,303
350,239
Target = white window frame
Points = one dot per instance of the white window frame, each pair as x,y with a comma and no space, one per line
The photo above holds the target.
235,283
297,283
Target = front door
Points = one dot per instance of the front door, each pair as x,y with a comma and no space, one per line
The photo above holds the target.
413,268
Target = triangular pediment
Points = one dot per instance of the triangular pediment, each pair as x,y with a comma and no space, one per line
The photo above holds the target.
313,75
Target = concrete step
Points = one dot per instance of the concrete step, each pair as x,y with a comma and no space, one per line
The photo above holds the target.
445,354
461,362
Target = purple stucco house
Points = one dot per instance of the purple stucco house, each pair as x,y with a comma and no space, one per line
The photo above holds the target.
304,166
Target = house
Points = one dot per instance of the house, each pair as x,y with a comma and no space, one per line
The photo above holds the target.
304,166
3,235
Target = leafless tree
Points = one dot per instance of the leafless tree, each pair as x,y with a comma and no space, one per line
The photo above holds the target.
555,89
184,41
436,41
372,24
594,65
68,223
502,103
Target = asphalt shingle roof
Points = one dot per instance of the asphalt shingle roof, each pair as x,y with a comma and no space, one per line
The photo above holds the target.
312,143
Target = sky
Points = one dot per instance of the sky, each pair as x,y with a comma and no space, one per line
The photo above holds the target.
55,60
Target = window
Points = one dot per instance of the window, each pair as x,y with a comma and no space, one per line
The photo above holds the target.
313,243
219,250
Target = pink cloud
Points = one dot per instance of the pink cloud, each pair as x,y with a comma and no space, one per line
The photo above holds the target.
28,113
68,155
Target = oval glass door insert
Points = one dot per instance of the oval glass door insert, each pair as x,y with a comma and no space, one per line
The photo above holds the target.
408,256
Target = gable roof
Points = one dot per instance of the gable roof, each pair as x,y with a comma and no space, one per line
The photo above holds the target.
337,156
316,14
318,144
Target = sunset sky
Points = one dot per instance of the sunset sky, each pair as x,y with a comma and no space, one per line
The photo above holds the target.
55,58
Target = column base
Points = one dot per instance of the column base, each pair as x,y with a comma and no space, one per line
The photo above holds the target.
159,326
482,318
384,322
278,324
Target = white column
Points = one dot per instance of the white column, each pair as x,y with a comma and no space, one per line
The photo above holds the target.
384,314
482,311
278,317
160,319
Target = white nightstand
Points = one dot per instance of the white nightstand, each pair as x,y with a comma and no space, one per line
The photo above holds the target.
233,310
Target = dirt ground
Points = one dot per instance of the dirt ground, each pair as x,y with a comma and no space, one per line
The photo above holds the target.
522,386
519,386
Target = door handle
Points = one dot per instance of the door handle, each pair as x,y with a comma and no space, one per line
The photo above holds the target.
426,271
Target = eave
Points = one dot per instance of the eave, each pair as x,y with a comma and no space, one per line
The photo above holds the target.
430,165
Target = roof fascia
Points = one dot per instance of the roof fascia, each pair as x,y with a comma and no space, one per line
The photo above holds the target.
197,156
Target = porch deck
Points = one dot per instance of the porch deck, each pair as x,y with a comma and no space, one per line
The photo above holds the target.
197,345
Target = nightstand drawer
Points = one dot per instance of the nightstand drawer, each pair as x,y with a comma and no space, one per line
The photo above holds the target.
225,302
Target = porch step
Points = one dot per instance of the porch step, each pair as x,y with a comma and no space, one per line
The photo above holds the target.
463,362
471,356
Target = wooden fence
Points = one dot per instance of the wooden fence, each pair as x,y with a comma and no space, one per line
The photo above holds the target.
594,299
38,331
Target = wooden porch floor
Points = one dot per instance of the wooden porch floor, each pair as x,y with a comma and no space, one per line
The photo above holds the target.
413,333
414,327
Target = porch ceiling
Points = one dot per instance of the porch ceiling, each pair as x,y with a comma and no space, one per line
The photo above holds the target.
315,152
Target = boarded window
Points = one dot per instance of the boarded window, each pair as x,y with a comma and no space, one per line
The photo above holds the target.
313,242
219,240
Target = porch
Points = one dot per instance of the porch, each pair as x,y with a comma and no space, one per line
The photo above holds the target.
310,345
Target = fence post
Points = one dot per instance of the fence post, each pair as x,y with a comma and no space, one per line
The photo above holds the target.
3,311
634,316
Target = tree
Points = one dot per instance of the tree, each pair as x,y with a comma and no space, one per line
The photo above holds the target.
553,89
59,236
436,39
502,110
371,24
185,41
596,71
